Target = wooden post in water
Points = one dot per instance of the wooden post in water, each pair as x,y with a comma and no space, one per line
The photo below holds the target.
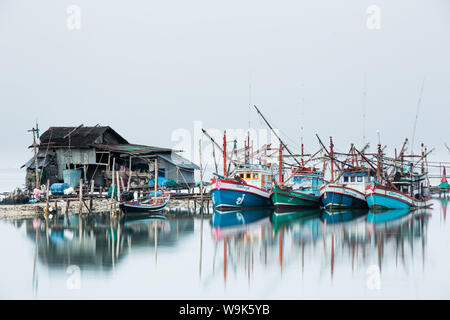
112,184
129,177
47,197
91,196
201,179
118,193
80,207
156,243
67,212
155,180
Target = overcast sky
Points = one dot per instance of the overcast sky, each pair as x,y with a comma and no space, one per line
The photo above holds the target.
147,68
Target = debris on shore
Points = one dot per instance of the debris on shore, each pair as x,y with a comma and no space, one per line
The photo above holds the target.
18,196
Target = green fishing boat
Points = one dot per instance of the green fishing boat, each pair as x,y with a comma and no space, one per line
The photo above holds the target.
284,197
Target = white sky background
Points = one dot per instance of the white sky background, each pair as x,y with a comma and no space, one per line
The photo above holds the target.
147,68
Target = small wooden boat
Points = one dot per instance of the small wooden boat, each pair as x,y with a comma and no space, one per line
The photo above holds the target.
153,204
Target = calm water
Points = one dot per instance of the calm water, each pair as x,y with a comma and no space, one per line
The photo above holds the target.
244,255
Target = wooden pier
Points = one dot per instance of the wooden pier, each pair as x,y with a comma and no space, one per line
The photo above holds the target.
442,192
86,194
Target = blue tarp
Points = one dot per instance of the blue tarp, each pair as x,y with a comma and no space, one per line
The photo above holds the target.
161,181
152,194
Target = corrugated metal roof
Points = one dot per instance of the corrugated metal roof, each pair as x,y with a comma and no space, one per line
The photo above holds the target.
77,136
179,161
43,161
132,148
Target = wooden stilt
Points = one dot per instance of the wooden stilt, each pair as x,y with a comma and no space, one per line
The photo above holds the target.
47,197
91,195
80,207
113,185
67,212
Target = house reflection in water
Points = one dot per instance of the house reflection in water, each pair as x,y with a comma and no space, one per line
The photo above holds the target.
98,242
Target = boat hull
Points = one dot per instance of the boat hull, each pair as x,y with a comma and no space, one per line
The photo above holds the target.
230,195
340,197
382,198
290,198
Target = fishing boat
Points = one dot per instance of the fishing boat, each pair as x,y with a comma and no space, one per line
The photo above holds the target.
405,190
348,192
249,188
403,194
303,192
143,207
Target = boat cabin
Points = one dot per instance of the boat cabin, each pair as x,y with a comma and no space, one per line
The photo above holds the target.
357,179
413,185
257,175
308,178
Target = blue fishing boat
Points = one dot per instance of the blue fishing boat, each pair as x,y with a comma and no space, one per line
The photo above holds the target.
348,192
250,188
403,193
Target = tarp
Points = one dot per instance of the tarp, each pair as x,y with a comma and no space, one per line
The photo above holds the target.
161,181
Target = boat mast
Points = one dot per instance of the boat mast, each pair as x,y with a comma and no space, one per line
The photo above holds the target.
303,162
280,164
379,164
332,157
281,141
225,153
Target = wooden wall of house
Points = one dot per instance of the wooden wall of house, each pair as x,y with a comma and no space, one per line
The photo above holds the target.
75,156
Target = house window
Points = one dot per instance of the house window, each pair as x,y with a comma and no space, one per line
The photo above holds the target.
247,176
162,172
345,179
255,176
353,179
360,179
241,175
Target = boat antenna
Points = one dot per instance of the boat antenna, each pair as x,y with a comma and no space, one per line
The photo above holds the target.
281,141
364,109
417,115
447,147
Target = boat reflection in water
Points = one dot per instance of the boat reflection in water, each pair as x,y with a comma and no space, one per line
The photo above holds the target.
297,229
444,204
243,233
394,230
341,216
